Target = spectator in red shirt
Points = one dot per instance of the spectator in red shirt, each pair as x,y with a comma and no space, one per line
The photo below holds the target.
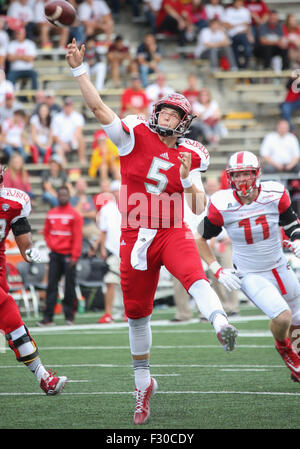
291,31
292,100
16,175
134,99
173,18
259,11
197,15
63,235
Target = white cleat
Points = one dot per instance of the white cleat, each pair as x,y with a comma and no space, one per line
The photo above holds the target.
227,337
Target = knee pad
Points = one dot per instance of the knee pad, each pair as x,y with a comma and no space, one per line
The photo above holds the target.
15,344
140,336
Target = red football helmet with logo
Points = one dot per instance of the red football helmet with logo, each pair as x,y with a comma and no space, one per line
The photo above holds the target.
180,104
240,162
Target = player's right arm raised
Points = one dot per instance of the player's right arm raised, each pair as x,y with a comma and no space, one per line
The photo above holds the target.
102,112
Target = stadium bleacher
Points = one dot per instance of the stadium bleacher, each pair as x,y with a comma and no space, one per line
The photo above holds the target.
250,109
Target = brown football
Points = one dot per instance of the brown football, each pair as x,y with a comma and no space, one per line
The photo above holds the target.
60,13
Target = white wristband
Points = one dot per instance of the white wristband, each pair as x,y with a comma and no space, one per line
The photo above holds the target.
77,71
186,182
214,266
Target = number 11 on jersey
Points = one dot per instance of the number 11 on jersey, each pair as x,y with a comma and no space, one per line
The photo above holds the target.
246,224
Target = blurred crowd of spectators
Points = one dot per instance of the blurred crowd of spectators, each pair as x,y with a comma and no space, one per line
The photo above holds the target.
234,36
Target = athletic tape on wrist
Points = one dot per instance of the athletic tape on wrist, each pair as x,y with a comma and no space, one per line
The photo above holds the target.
77,71
186,182
215,267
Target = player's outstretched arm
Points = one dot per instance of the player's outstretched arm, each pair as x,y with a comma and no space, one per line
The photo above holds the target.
205,251
24,242
102,112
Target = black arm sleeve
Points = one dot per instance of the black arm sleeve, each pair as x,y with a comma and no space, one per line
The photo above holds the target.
290,223
207,229
20,227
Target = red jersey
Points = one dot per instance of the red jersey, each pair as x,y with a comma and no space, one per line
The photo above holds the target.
151,194
136,99
14,204
175,4
259,8
191,95
63,231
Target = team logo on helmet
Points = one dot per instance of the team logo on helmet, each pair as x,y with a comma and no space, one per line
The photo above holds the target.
240,162
180,104
5,207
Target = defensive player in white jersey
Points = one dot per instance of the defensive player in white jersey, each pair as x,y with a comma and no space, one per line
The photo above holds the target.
14,210
158,167
251,212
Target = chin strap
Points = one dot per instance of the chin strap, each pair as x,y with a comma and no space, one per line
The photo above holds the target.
164,132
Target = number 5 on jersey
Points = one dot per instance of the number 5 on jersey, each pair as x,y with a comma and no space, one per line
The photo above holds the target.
155,175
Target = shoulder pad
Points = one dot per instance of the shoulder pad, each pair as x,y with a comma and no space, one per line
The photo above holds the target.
272,186
223,199
131,121
15,195
20,197
200,151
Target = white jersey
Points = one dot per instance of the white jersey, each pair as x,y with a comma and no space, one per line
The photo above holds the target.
252,228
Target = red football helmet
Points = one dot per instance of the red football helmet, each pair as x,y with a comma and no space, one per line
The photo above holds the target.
179,103
240,162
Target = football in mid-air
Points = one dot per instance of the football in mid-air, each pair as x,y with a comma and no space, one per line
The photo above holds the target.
60,13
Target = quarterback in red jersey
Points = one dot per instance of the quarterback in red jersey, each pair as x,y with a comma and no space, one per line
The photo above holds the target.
14,209
158,166
250,211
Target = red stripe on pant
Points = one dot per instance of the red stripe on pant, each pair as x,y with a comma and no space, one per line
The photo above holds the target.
279,281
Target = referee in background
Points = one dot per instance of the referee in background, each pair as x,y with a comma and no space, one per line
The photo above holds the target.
63,235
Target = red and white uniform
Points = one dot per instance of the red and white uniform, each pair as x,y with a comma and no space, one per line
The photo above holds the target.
252,228
257,248
150,174
14,204
151,203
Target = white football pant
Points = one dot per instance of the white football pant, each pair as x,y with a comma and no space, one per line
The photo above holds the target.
274,291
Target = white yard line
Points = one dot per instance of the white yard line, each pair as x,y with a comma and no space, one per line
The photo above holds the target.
243,333
154,323
176,347
242,370
185,366
106,393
